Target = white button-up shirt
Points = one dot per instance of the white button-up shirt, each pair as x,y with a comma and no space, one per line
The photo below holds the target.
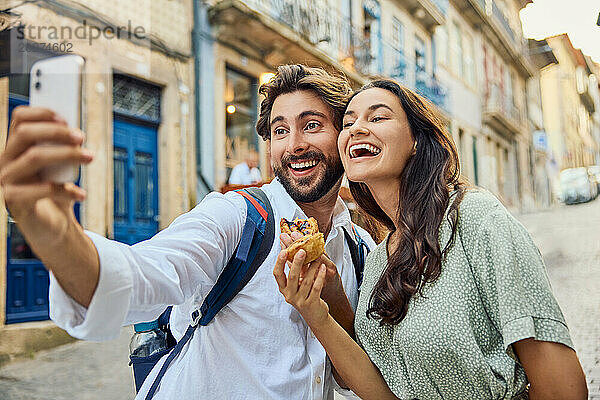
257,347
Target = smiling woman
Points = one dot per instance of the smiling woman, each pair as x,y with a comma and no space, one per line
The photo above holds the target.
455,302
393,147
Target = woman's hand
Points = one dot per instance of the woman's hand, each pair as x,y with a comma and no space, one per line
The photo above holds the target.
351,364
304,295
333,290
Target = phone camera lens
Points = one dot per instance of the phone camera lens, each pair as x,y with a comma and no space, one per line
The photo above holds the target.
38,85
38,72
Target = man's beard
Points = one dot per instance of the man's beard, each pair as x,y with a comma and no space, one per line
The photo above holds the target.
321,184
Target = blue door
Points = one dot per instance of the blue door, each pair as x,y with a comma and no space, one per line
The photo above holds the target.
135,180
27,278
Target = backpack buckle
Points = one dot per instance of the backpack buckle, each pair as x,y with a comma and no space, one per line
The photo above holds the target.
196,316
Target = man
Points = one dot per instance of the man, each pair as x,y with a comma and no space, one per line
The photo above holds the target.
258,347
246,172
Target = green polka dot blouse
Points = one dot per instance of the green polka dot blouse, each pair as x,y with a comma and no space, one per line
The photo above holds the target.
455,341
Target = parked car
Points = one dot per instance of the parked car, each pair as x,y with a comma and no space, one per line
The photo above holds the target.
576,186
594,170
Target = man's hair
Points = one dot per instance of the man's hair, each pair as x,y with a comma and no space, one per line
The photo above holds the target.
333,90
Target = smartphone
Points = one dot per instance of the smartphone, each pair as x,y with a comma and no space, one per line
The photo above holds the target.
56,83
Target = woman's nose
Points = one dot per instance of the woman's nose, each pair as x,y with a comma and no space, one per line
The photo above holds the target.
358,129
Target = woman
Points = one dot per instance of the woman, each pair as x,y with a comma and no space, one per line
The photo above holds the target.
455,302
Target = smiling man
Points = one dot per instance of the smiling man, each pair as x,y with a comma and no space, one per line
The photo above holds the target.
258,347
304,156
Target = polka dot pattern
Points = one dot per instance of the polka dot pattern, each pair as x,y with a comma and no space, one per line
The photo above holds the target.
455,341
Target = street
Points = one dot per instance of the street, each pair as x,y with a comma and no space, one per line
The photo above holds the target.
568,237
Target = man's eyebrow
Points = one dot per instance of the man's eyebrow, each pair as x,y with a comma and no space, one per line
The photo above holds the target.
276,119
311,113
349,112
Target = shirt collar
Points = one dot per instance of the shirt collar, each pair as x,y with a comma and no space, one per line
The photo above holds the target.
289,209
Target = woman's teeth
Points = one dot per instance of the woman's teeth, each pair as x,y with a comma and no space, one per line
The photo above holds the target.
363,149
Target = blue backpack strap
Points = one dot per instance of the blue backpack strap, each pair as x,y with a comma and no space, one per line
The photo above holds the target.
358,251
255,245
363,248
249,255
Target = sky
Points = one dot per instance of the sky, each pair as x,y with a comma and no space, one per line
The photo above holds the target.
577,18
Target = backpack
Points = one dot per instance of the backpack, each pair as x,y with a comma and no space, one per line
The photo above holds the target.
255,244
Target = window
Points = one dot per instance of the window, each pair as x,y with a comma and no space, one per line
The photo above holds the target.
372,34
399,62
508,89
513,84
420,60
457,50
398,34
469,66
442,44
136,98
120,191
240,106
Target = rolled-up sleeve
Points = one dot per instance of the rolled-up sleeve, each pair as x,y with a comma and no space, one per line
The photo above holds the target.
138,282
514,284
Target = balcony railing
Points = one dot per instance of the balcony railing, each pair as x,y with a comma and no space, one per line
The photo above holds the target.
316,22
501,19
432,89
328,30
503,106
394,64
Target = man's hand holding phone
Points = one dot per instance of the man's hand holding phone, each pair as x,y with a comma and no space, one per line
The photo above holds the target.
31,200
38,168
43,210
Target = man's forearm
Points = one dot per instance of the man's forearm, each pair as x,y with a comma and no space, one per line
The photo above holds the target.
73,259
341,310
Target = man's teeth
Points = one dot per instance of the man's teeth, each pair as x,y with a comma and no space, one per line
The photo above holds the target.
364,146
306,164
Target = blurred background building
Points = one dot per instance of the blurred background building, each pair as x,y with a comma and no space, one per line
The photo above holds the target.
171,100
138,115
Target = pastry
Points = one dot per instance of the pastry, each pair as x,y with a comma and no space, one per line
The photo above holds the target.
312,241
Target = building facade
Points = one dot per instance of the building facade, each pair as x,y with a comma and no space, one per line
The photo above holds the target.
568,90
242,41
138,115
546,167
468,57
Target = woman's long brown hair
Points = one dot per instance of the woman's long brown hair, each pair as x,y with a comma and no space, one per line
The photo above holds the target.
425,185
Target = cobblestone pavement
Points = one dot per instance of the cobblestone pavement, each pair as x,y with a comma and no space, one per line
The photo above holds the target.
568,237
569,240
75,371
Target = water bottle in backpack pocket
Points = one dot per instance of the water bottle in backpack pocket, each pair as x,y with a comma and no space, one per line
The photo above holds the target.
148,344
